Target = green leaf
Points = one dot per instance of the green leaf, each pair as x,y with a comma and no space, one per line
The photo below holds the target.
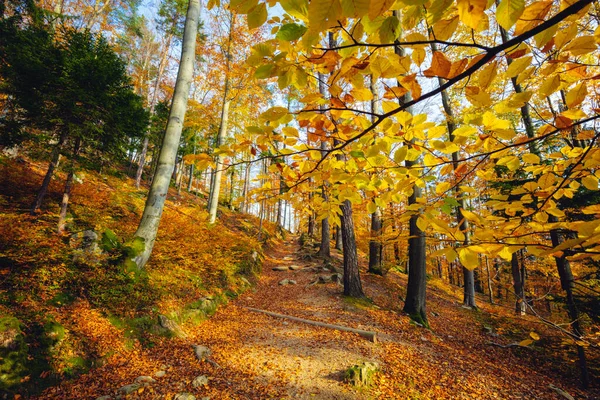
109,241
264,71
289,32
390,29
357,154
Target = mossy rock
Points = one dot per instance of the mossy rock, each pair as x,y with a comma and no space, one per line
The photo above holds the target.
361,375
13,353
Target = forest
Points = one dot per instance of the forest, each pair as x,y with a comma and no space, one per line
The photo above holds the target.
314,199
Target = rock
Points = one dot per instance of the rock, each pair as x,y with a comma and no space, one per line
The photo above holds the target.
104,398
206,398
325,269
295,267
184,396
284,282
145,379
171,326
361,374
160,374
424,339
86,246
127,389
201,380
202,352
292,282
281,268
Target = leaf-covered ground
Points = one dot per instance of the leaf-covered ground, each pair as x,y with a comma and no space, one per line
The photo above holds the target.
260,357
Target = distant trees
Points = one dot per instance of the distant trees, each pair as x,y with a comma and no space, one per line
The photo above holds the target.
66,90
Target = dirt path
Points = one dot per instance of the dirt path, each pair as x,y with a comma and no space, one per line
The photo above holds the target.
261,357
304,361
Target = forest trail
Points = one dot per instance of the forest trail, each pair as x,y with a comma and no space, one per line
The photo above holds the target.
256,356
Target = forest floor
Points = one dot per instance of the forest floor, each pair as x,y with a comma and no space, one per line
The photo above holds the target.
256,356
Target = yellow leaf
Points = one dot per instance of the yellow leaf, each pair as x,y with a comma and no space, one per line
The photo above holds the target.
487,75
468,258
581,45
576,95
508,12
478,97
371,207
355,8
534,336
443,30
257,16
525,343
470,216
442,187
362,94
440,66
590,182
422,223
517,66
531,158
323,14
400,154
532,16
378,7
471,11
549,86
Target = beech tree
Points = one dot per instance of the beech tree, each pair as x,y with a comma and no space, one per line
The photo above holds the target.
155,201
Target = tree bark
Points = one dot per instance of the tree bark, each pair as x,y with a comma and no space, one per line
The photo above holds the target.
216,187
352,283
49,173
155,202
375,246
517,284
62,216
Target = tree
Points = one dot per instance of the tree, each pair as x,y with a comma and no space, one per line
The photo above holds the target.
72,88
155,201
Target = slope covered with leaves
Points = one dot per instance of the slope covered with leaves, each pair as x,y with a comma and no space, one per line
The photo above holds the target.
67,312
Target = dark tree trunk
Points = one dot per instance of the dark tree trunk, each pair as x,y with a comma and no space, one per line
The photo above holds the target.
352,283
567,282
62,216
49,173
517,284
338,238
375,245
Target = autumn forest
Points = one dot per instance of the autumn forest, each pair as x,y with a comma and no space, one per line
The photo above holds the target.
314,199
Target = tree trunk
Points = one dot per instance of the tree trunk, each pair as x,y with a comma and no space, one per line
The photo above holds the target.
375,246
352,283
567,282
49,173
161,69
325,248
417,273
216,188
517,284
62,216
338,239
246,188
157,195
489,280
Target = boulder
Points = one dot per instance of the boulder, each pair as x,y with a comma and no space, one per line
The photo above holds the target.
284,282
201,380
295,267
171,326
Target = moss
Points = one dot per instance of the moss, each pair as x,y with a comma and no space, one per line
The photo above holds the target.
362,303
361,375
13,353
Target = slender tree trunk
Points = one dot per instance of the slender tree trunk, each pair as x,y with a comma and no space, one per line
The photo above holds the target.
161,69
338,238
246,188
375,245
489,280
62,216
215,190
157,195
49,173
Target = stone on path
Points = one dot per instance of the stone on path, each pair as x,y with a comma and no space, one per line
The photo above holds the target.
295,267
184,396
284,282
144,379
202,352
104,398
160,374
128,389
281,268
201,380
